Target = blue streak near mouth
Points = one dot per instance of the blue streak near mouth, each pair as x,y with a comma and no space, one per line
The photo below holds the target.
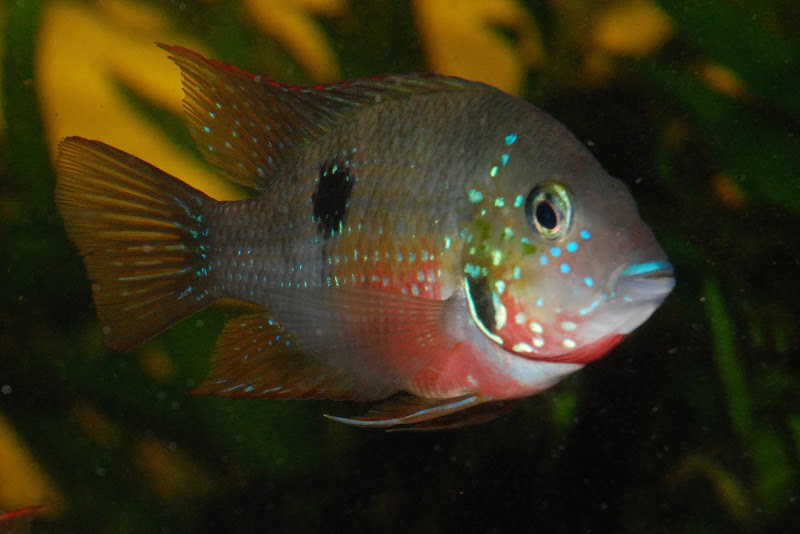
639,269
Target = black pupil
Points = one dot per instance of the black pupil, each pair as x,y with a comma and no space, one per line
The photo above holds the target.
546,215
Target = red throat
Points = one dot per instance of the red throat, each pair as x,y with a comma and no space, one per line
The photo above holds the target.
588,353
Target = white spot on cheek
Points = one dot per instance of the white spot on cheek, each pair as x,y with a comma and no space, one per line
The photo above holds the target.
522,347
500,314
535,327
568,326
519,318
568,343
538,342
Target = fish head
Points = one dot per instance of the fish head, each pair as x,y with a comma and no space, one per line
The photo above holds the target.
558,264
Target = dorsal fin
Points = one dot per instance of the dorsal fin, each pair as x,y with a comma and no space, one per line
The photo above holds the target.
249,125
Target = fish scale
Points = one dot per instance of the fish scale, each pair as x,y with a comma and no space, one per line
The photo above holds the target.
420,241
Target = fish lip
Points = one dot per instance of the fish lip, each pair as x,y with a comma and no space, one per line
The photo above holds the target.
645,281
650,269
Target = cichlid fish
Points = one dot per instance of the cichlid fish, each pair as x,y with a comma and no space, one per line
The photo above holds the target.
417,238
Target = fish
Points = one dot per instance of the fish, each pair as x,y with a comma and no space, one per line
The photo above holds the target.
429,245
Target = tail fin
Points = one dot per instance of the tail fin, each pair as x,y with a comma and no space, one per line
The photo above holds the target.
144,237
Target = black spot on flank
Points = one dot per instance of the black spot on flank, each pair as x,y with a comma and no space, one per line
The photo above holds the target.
332,198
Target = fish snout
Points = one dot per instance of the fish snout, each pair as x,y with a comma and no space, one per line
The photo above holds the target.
645,282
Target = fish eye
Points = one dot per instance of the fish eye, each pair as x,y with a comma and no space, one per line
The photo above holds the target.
548,210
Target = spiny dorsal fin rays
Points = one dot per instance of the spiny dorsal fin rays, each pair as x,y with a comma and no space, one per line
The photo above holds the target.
248,126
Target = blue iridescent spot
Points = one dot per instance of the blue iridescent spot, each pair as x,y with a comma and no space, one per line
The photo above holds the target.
588,281
540,302
504,160
475,196
585,234
543,260
555,251
638,269
207,129
518,201
565,268
511,139
572,246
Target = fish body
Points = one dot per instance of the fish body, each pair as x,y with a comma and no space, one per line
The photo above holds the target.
415,237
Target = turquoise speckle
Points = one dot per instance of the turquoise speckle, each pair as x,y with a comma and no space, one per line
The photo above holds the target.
585,234
565,268
475,196
517,273
588,281
543,260
555,251
572,246
493,172
518,201
501,286
540,302
504,160
499,202
207,129
511,139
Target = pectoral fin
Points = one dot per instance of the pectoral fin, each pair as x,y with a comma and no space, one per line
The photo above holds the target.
256,358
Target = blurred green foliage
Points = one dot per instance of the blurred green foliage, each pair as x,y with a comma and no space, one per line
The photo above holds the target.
692,425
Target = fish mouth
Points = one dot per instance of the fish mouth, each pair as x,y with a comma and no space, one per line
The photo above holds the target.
645,282
639,289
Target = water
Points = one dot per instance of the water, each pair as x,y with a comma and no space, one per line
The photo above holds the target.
691,425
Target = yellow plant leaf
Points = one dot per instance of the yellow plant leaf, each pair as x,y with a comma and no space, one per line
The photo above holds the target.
171,474
156,363
723,80
728,191
22,481
99,426
631,28
292,23
84,52
462,38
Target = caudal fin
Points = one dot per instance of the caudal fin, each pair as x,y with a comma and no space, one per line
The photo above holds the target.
144,237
